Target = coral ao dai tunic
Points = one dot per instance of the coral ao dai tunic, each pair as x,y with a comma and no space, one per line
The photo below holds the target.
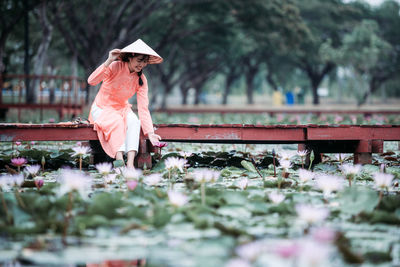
118,86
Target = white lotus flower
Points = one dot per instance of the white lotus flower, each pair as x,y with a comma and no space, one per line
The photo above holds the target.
177,199
175,163
80,151
73,181
329,184
250,251
314,254
185,154
383,180
311,214
131,173
8,181
33,169
104,168
302,153
276,197
349,169
305,175
205,175
110,178
285,164
237,262
242,183
286,154
152,179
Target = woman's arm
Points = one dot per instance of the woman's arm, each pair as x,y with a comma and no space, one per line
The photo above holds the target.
103,71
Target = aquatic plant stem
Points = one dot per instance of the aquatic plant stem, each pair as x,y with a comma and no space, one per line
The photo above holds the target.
3,202
67,217
203,193
18,197
80,163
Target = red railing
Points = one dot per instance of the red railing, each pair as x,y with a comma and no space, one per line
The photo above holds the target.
66,94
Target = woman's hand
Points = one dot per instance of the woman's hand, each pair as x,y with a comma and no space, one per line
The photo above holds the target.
112,56
154,138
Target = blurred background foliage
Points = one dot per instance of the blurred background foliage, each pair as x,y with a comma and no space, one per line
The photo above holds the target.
227,46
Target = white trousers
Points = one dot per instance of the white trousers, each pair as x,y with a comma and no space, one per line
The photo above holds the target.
132,133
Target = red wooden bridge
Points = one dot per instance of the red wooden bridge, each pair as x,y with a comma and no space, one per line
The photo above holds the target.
64,94
362,140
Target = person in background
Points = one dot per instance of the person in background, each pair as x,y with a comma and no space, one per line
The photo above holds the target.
118,128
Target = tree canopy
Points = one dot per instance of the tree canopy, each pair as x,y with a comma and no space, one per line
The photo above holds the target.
282,41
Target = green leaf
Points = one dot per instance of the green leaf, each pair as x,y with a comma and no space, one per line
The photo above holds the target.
248,166
354,200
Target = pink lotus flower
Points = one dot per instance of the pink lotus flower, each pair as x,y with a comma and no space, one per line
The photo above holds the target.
18,162
323,234
161,144
18,143
131,184
287,250
39,183
52,120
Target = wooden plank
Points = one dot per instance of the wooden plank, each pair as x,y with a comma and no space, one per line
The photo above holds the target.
351,132
46,132
230,133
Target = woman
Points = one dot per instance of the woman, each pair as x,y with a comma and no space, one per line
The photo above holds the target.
118,128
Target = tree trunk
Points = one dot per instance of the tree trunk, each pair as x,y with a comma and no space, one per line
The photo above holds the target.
250,86
184,92
230,78
271,81
373,86
40,57
315,82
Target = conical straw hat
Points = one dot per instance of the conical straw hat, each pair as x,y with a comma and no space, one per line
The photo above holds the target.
141,47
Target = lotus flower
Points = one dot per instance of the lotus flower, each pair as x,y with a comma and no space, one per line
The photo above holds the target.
110,178
311,214
288,250
177,199
131,184
205,175
242,183
276,197
152,179
302,153
18,162
285,164
323,234
73,181
185,154
350,171
383,180
175,163
250,251
104,168
329,184
161,144
237,262
131,173
18,143
33,169
39,183
80,151
305,175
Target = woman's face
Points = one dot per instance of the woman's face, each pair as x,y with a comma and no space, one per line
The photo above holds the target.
138,63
